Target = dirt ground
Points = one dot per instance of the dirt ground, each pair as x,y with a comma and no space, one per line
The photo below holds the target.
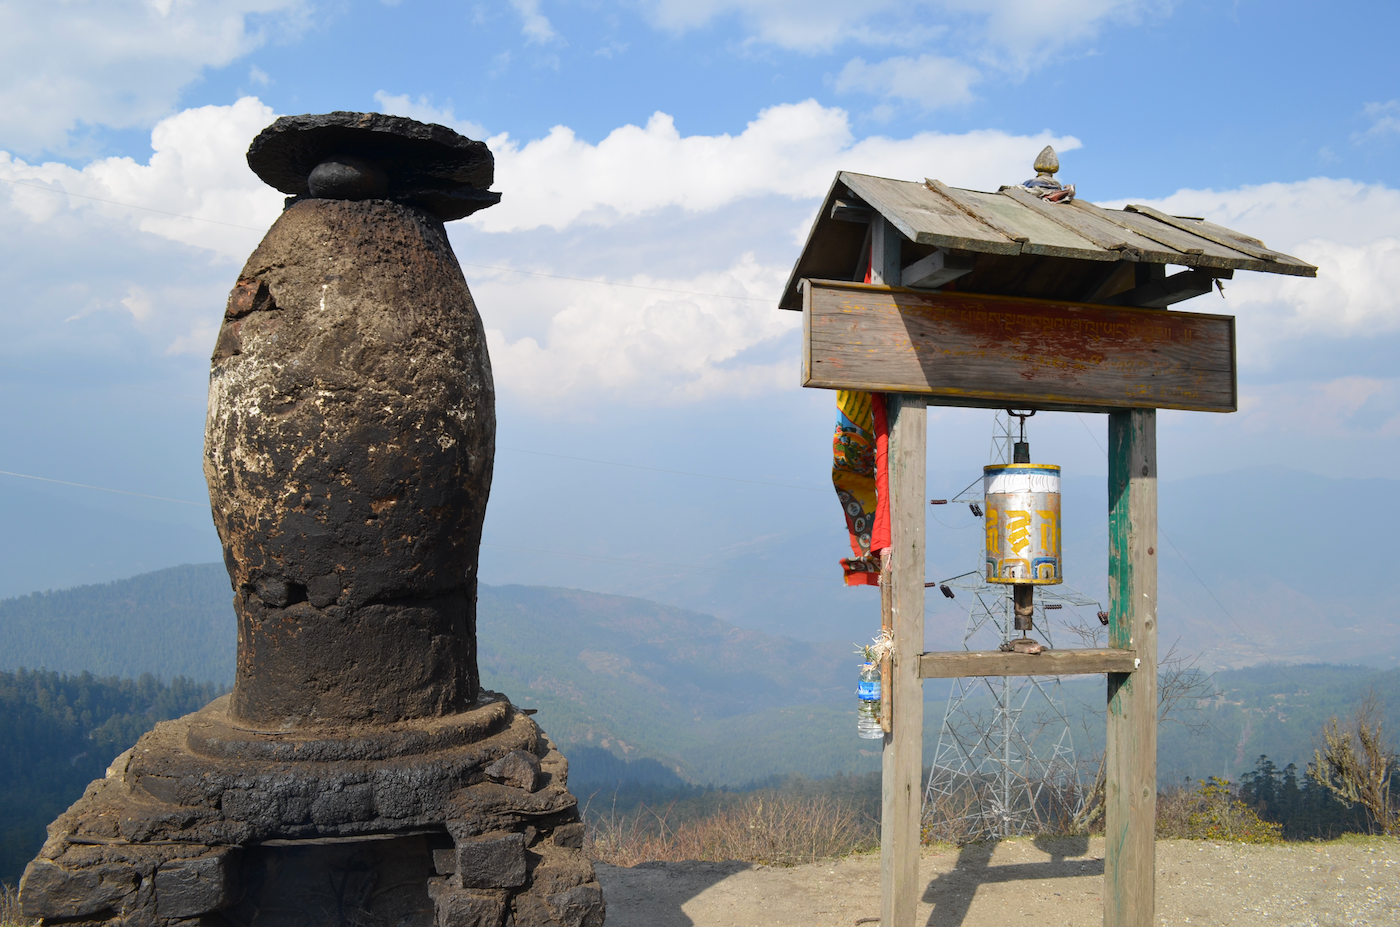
1033,882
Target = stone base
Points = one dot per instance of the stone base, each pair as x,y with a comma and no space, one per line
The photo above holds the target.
464,821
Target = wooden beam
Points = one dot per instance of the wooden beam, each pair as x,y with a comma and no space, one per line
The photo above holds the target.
885,244
851,211
1130,798
1162,293
1001,351
935,270
902,761
957,663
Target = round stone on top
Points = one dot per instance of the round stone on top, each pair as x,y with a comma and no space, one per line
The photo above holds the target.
360,156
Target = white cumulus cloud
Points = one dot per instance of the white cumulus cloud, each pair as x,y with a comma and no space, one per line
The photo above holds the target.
423,110
115,63
652,342
534,25
1349,230
928,80
1014,32
791,150
196,188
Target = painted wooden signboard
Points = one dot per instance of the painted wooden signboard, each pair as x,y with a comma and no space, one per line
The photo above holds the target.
997,351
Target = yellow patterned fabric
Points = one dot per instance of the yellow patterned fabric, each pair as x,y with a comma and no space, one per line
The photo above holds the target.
853,474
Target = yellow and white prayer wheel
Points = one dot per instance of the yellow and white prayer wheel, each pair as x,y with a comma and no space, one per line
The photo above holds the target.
1023,523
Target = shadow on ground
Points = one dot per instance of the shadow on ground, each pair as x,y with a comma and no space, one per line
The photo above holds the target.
658,890
951,893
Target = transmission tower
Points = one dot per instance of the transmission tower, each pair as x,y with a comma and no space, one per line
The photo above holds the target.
1005,757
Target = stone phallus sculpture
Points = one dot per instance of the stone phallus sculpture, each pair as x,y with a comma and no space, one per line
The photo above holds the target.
358,774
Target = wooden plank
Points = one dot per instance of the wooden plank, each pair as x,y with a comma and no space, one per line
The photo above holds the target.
1111,238
998,351
926,218
1130,798
901,791
951,195
1152,249
1202,252
1253,247
955,664
1045,237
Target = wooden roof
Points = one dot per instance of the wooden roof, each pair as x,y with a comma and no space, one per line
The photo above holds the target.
1020,244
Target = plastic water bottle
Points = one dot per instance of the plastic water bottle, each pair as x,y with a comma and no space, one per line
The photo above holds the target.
868,702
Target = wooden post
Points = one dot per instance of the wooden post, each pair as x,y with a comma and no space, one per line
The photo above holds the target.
1130,799
903,753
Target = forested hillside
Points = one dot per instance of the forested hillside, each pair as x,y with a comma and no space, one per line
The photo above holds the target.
59,732
175,622
712,702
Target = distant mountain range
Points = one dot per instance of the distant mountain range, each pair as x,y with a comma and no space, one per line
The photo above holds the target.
626,678
1257,566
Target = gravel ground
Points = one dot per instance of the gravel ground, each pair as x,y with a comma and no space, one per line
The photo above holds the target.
1026,882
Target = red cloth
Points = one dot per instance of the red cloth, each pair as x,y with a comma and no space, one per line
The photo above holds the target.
880,534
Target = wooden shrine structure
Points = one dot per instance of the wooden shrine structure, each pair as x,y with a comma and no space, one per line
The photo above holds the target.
1002,300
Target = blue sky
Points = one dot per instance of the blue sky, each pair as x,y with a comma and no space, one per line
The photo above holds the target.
680,146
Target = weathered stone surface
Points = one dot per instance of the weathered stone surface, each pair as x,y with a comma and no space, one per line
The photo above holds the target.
357,774
348,452
517,768
457,907
492,861
50,891
191,887
569,835
580,906
358,156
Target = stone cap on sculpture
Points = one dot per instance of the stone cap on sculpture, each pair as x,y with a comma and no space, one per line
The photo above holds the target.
359,156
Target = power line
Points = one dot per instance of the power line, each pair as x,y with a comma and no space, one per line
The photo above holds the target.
1163,533
98,199
706,476
634,286
69,376
123,492
508,270
656,563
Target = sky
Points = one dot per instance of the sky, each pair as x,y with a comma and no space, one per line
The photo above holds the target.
660,162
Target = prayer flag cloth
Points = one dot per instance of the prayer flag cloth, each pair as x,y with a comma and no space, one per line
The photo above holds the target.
859,471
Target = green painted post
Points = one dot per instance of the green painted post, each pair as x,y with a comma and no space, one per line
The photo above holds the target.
1130,798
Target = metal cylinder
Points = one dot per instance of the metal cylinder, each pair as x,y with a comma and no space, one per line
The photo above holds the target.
1022,512
1024,599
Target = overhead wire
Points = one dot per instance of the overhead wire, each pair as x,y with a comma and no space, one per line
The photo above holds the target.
508,270
123,492
499,447
706,476
69,376
1167,538
806,578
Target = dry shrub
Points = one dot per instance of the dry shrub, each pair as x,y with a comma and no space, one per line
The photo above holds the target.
1356,763
762,828
9,909
953,818
1053,806
1212,812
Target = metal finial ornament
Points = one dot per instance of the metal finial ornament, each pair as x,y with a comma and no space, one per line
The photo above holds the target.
1044,184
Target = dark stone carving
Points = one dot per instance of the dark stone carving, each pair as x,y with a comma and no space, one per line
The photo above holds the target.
348,454
358,774
429,166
